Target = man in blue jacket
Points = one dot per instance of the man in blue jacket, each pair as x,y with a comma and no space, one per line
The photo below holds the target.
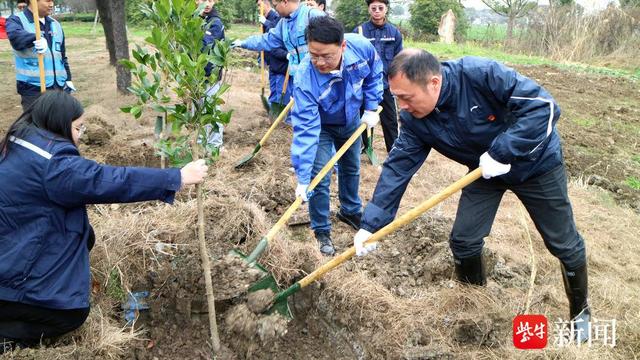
480,113
388,43
22,35
288,33
341,74
275,58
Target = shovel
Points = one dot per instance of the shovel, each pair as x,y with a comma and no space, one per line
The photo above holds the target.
280,303
36,22
268,282
265,102
369,150
277,108
282,115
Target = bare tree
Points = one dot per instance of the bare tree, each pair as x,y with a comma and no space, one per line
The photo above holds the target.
114,22
512,9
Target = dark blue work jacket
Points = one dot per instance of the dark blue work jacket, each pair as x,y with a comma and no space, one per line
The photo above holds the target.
45,236
483,106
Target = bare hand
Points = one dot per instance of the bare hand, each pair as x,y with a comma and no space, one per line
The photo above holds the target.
194,172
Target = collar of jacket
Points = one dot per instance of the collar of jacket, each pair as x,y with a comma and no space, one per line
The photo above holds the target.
445,99
374,26
348,59
295,13
29,15
212,14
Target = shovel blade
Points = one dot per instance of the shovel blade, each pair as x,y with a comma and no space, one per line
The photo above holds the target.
248,158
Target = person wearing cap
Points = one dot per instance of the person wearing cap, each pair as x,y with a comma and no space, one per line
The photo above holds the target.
481,113
387,40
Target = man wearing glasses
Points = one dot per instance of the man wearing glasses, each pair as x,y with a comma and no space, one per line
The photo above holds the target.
388,42
289,33
341,75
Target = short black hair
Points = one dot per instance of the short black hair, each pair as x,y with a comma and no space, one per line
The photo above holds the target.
53,111
322,2
369,2
416,65
325,30
22,2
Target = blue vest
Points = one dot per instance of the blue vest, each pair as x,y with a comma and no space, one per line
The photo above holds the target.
27,60
294,38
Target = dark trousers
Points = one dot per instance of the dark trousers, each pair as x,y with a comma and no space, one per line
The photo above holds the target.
388,120
30,323
547,202
27,100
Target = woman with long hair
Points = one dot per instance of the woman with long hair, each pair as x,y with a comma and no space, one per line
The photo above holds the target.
45,235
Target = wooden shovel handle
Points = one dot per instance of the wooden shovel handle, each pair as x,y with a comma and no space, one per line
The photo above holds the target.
36,22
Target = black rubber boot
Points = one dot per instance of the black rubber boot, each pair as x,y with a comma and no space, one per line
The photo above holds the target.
351,220
326,245
471,270
576,285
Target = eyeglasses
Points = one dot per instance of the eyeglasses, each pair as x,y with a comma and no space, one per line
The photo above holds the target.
324,58
80,129
380,8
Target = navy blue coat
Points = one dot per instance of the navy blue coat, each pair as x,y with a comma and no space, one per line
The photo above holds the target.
21,39
45,236
214,30
275,58
483,106
387,40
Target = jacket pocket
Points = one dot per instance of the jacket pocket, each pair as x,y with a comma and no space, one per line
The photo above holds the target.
20,247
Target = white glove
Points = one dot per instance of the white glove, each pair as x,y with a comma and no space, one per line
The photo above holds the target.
262,19
41,45
288,56
301,191
361,236
371,118
236,43
492,168
69,85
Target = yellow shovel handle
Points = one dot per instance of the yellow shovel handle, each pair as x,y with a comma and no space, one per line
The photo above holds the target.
394,225
261,52
282,115
286,81
36,22
316,180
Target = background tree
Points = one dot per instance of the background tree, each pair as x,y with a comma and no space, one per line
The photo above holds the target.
512,9
630,3
352,13
425,17
114,22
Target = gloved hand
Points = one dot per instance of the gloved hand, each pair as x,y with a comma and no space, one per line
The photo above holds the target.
236,43
288,56
371,118
492,168
262,19
301,191
69,86
194,172
361,236
41,45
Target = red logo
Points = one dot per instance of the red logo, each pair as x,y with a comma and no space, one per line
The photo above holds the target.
491,117
530,331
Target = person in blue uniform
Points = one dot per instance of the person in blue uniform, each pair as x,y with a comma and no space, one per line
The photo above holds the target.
387,40
276,59
45,234
342,74
481,113
22,36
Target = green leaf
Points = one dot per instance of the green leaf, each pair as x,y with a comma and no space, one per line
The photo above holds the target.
136,111
126,109
128,64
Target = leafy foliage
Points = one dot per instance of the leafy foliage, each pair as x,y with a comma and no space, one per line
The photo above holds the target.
169,78
425,17
352,13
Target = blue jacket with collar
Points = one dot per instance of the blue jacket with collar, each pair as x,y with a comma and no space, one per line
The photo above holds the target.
275,58
45,235
332,99
387,40
22,39
483,106
288,33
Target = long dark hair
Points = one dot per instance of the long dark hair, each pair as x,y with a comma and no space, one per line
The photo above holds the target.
53,111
